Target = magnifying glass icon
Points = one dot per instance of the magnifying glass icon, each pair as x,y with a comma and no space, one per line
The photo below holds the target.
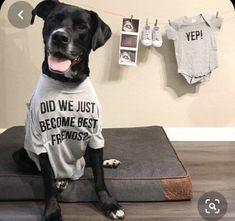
212,206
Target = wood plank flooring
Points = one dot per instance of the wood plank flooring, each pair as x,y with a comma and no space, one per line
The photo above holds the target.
212,168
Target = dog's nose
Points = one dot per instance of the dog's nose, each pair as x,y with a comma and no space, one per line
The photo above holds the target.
60,38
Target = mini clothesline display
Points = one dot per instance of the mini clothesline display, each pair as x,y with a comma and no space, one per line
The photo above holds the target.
196,38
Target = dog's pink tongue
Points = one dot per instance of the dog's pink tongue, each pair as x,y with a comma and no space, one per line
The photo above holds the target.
58,64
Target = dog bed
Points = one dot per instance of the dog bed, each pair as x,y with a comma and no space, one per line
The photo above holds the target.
150,169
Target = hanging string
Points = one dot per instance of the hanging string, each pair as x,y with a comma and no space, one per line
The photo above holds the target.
221,14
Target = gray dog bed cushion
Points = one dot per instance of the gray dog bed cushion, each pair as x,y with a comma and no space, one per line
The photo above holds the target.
150,169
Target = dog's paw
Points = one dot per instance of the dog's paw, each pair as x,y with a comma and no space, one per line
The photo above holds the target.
110,206
61,185
111,163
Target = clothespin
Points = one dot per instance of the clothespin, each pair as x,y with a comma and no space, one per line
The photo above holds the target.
217,14
156,22
147,22
131,17
169,21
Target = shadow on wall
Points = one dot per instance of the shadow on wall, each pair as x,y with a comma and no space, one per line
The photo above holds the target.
174,81
114,71
143,54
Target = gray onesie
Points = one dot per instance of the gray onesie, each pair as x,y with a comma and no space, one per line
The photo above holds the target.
195,45
62,120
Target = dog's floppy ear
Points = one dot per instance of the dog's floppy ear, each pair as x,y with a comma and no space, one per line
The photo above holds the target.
102,31
43,9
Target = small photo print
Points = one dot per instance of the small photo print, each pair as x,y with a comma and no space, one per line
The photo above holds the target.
129,41
130,25
127,57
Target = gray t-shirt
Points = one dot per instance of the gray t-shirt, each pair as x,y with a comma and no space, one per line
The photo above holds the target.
62,120
195,45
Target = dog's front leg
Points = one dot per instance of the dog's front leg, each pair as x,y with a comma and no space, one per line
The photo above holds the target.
52,210
109,205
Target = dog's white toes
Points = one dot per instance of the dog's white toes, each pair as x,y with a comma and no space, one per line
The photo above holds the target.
120,214
111,163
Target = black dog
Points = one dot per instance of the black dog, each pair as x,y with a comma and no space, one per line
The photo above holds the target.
69,34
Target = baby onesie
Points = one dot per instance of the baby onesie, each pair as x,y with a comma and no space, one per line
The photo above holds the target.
62,120
195,45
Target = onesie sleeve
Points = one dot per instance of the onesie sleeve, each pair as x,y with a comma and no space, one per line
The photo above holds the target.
171,32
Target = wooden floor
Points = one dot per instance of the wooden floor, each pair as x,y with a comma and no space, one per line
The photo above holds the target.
211,165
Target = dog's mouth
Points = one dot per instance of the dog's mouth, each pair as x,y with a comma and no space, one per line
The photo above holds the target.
61,63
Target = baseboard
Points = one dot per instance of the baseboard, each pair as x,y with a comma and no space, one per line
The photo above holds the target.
200,134
195,134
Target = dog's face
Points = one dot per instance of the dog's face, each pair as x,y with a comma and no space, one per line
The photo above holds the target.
69,34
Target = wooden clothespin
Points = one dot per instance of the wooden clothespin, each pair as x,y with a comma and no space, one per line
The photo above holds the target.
156,22
131,17
169,21
217,14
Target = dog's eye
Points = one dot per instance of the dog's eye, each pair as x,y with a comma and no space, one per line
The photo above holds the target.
81,27
59,17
